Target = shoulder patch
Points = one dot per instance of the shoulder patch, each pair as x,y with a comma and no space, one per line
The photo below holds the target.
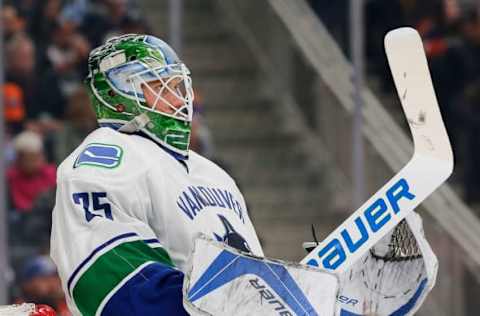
100,155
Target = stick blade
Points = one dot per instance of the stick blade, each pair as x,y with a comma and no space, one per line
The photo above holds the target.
409,67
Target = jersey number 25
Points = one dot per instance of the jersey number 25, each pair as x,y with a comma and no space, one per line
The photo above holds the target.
84,199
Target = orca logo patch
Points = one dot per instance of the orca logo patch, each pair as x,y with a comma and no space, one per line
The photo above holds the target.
100,155
231,237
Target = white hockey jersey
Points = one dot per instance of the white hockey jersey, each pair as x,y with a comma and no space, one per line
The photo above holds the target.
124,203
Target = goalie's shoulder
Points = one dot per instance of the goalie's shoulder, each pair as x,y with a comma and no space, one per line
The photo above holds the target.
212,169
105,153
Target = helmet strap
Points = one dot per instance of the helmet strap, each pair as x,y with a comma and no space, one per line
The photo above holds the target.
138,122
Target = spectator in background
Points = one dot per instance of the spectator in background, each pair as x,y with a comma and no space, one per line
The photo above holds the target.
12,23
20,56
41,91
40,284
106,20
67,53
80,120
26,9
46,15
29,175
14,115
13,107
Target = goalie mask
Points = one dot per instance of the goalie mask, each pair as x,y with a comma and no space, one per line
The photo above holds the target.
138,84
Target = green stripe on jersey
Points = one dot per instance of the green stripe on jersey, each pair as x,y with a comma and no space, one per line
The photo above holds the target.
110,269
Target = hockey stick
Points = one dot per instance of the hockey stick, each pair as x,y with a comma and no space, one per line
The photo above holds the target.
430,165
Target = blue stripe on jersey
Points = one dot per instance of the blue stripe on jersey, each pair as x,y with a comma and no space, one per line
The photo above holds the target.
95,251
114,126
151,241
155,290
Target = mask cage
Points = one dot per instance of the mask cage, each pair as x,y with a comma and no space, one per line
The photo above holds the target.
173,79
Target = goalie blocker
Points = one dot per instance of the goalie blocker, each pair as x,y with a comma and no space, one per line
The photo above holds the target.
221,280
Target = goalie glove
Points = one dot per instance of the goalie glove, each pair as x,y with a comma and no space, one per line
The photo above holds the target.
394,278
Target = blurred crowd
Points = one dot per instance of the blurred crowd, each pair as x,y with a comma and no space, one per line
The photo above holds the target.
450,30
48,114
